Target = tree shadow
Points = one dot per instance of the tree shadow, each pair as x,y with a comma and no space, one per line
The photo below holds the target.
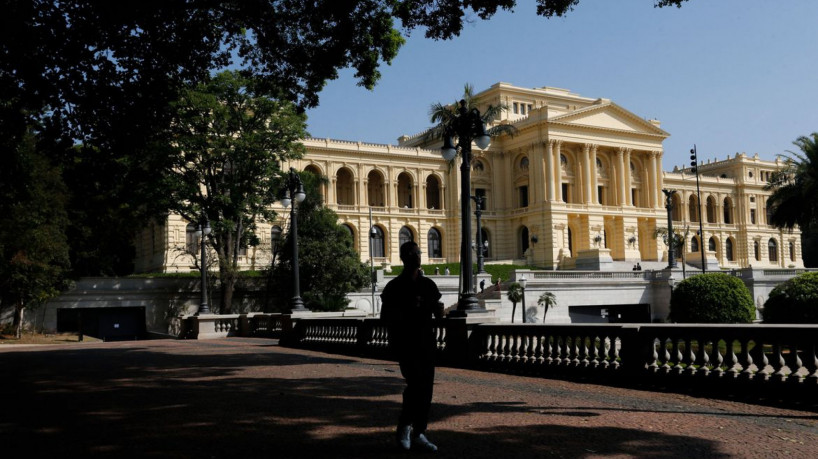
217,401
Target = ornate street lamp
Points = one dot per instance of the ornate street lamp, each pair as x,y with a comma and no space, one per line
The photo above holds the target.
468,127
671,250
478,211
372,234
294,193
201,232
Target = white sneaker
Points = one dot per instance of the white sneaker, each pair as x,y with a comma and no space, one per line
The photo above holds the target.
422,443
404,437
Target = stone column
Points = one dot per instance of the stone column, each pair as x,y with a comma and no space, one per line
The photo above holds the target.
558,171
620,162
586,172
594,185
628,200
549,171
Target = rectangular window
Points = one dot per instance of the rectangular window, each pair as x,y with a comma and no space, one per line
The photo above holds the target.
524,196
753,216
600,195
516,108
530,107
565,192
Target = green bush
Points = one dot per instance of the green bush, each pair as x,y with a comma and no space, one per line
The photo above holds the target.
794,301
712,298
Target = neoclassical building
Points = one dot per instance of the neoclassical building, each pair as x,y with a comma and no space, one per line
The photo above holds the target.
578,187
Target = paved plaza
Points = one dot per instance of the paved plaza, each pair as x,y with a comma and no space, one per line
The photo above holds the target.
250,398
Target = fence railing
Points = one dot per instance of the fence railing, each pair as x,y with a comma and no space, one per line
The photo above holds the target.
761,359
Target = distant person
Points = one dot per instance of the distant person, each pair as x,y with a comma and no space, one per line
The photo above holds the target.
447,271
409,302
437,270
634,268
482,285
638,267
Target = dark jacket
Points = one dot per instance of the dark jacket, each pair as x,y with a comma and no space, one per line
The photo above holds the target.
408,309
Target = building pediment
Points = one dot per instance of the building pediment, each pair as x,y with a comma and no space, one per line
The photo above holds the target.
609,116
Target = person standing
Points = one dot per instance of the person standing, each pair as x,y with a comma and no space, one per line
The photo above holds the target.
409,302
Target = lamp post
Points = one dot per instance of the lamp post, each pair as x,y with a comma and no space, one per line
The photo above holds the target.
201,232
671,281
372,234
522,283
478,212
294,193
468,127
694,165
671,252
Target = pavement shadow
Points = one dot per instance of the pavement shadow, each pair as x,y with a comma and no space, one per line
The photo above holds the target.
217,401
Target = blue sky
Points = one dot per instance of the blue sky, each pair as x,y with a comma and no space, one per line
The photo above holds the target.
728,75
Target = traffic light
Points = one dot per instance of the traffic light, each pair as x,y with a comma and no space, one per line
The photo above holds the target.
693,159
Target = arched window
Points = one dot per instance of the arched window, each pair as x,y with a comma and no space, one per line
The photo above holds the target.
405,235
377,242
711,210
728,247
524,163
433,242
375,189
523,241
676,212
191,241
711,244
405,191
728,211
433,193
344,187
694,244
478,166
772,250
693,208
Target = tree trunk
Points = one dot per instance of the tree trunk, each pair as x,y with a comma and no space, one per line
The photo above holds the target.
19,309
513,310
228,284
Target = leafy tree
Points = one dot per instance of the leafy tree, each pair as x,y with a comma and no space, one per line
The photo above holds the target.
795,188
547,300
32,230
329,266
712,298
515,295
794,301
447,115
227,142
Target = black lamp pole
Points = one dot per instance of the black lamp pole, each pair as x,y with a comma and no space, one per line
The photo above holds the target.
478,211
468,127
694,164
202,231
294,193
671,251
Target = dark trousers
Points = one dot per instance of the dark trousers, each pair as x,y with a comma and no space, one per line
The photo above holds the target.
417,397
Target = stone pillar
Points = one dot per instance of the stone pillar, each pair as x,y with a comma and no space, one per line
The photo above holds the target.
558,171
622,190
549,171
628,200
586,173
594,185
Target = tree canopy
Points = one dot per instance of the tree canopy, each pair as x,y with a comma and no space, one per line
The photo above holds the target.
224,146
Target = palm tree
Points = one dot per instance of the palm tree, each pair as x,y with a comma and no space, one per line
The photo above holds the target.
547,300
795,187
515,295
445,116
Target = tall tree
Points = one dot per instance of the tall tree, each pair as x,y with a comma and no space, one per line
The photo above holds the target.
795,190
329,266
547,300
226,142
515,295
33,247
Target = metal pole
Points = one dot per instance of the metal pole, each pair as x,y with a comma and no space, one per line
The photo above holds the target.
204,308
371,262
296,303
467,299
701,226
478,202
671,237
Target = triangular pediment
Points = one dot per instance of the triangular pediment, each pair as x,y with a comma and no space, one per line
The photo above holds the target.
609,116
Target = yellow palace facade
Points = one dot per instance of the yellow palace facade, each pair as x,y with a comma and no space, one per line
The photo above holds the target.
578,187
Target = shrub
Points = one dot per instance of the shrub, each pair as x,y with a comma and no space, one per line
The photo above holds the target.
794,301
712,298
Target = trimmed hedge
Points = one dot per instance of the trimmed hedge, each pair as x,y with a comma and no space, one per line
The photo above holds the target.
794,301
715,298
